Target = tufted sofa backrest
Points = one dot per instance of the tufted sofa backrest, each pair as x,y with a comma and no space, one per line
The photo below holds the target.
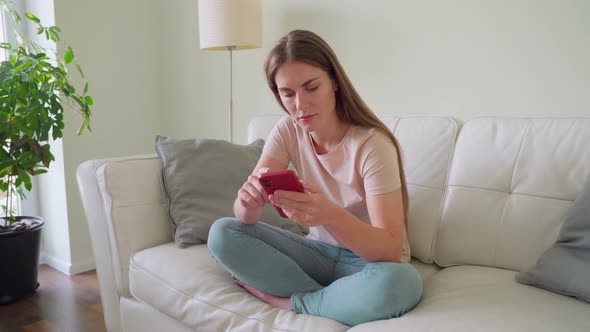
511,183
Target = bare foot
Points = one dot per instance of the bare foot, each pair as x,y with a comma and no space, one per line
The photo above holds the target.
279,302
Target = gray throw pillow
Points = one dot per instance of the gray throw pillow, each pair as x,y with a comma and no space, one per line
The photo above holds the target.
201,178
565,267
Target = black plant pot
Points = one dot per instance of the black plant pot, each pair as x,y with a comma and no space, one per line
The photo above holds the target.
19,262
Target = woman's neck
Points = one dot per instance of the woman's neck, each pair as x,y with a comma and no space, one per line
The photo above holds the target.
328,139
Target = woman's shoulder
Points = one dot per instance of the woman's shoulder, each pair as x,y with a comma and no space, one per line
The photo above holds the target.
369,143
285,121
283,126
366,136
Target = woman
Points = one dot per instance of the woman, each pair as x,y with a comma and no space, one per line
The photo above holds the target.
353,266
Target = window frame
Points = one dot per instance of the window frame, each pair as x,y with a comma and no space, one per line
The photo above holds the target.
7,25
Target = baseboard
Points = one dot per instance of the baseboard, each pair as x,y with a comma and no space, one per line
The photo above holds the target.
56,263
67,267
86,265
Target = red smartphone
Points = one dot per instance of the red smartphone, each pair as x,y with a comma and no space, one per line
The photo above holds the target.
280,180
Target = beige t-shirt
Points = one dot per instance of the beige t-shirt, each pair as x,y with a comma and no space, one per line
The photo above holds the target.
364,164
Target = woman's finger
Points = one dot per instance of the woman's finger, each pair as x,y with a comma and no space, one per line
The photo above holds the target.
259,188
249,194
261,171
292,195
300,217
246,199
297,206
255,182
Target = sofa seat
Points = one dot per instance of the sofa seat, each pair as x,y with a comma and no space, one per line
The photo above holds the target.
188,286
476,298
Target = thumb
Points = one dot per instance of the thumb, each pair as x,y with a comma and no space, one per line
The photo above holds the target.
262,170
310,187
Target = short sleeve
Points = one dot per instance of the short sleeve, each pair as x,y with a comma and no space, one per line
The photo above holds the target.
378,164
277,144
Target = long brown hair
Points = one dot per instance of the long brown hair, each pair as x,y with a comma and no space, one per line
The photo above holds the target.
306,46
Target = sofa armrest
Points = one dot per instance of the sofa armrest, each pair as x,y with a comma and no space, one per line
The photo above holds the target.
126,213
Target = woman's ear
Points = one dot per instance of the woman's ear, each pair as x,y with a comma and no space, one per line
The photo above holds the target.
335,85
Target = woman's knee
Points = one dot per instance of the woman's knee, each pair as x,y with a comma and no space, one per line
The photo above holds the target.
220,235
380,291
396,289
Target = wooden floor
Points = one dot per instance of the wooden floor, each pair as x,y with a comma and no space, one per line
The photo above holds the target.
61,304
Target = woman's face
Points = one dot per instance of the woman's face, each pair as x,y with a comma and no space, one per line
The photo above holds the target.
308,94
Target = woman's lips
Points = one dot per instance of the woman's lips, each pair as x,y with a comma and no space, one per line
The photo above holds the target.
306,118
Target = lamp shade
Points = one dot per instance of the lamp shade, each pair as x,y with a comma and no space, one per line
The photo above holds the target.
230,23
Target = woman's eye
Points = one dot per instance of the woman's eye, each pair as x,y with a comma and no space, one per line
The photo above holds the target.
287,95
313,88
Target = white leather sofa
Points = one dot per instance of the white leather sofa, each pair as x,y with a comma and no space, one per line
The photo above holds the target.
487,198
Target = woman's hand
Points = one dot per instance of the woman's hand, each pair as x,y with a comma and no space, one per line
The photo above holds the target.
311,208
251,195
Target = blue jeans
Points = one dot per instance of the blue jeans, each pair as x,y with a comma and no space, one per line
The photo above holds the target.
320,279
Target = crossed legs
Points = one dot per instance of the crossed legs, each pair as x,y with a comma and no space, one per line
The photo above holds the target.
292,272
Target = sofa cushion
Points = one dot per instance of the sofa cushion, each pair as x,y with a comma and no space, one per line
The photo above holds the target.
476,298
189,286
427,144
201,178
565,267
512,182
425,270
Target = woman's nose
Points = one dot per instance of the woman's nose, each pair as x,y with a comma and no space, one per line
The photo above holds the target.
302,102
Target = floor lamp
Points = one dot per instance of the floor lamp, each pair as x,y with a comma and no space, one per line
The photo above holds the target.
229,25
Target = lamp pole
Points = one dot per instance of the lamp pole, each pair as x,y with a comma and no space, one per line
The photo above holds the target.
230,25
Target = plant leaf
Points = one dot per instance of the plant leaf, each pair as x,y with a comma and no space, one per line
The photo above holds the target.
40,171
54,32
69,56
79,69
15,16
34,89
32,17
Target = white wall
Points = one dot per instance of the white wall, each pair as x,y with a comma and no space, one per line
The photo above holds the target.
117,43
463,58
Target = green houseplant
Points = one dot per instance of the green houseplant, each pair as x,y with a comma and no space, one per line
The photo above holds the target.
35,87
